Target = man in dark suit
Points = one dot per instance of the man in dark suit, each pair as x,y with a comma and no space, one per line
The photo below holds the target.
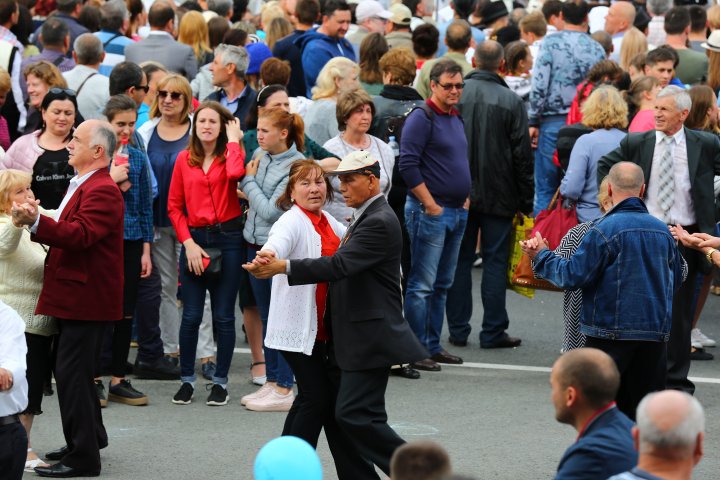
82,272
364,306
679,165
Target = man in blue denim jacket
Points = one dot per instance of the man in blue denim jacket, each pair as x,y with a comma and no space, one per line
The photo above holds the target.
629,268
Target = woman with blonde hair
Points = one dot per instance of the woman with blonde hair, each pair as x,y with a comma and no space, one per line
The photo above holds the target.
605,111
641,101
21,277
713,53
633,42
165,135
193,31
278,28
339,74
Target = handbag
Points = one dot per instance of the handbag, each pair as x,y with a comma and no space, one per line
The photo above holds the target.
521,228
522,275
214,267
555,221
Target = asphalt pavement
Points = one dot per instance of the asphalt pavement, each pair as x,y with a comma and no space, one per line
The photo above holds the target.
493,414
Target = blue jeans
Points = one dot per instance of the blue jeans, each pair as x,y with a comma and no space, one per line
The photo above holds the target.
434,244
494,238
276,367
223,292
547,174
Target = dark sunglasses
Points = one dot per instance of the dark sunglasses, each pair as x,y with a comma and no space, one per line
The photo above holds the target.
173,95
144,88
57,91
448,87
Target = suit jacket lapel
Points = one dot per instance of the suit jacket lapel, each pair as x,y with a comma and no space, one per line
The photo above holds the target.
646,155
693,153
352,227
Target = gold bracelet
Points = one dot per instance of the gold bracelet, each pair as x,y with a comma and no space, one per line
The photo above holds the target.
708,255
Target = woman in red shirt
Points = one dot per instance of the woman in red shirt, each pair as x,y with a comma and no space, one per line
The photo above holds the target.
207,218
295,320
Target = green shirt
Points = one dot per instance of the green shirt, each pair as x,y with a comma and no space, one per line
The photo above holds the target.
692,68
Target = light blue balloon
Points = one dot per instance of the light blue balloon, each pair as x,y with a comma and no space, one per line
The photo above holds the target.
287,458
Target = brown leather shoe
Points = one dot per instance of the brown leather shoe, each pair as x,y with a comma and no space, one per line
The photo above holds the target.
444,357
428,365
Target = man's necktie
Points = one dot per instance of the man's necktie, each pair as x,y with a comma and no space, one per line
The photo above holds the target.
666,187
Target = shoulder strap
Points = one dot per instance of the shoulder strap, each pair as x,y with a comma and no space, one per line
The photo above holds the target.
428,113
111,39
77,92
58,60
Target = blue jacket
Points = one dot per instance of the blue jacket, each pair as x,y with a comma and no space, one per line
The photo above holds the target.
628,267
605,448
287,49
317,50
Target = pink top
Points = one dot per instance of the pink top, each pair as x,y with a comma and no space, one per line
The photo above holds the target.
644,121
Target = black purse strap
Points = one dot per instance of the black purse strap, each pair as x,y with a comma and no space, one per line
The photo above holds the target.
77,92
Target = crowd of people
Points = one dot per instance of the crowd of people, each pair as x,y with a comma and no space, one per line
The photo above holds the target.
337,170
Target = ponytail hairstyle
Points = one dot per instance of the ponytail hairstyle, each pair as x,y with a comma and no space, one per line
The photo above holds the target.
292,122
195,149
515,52
633,96
605,71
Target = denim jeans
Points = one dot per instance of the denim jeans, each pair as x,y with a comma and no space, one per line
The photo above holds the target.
223,292
276,367
434,243
547,174
495,253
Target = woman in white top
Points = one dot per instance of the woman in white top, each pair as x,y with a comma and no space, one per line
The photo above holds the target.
21,278
355,111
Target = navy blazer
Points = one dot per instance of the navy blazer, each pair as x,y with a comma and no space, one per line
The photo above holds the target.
604,449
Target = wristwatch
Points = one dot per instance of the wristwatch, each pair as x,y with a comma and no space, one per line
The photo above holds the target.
709,253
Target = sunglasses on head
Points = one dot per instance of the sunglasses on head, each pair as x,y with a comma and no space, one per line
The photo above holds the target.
173,95
58,91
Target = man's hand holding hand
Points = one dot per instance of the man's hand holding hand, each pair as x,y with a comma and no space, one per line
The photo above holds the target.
258,269
26,213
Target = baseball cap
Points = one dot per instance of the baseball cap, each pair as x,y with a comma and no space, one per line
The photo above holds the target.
371,8
360,161
401,14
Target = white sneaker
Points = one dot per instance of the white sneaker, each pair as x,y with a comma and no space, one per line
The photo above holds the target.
274,402
259,393
698,337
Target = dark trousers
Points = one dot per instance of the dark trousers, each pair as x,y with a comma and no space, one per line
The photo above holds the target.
39,364
495,253
360,412
147,317
13,450
678,349
642,368
77,352
314,409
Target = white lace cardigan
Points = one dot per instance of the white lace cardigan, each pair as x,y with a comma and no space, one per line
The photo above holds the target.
292,320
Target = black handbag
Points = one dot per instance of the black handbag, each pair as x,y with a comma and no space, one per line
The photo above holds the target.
214,268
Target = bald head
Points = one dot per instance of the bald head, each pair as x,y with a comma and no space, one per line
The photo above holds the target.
488,56
670,423
620,17
592,372
626,180
458,36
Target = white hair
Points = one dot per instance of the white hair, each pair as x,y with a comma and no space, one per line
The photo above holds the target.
231,54
681,437
103,134
682,97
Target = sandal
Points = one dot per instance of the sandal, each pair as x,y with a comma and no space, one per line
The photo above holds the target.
257,380
31,464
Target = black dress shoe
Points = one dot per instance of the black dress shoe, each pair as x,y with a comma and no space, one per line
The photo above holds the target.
63,471
428,365
57,454
444,357
406,371
457,343
505,342
161,369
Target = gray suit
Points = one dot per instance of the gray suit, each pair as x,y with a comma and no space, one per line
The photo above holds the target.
162,48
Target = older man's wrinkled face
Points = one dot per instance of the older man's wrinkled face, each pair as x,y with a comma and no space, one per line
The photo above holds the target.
79,148
220,73
355,188
668,117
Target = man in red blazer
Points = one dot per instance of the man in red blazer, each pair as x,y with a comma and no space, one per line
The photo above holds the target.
82,288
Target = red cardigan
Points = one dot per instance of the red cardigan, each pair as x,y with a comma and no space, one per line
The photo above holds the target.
208,198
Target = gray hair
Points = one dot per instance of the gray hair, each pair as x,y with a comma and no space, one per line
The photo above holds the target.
489,55
112,15
659,7
681,436
221,7
103,134
89,49
238,56
682,97
626,177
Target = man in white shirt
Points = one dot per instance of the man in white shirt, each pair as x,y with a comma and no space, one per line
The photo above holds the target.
91,88
13,393
619,19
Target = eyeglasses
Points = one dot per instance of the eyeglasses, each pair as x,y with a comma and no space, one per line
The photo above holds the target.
173,95
449,86
66,91
144,88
